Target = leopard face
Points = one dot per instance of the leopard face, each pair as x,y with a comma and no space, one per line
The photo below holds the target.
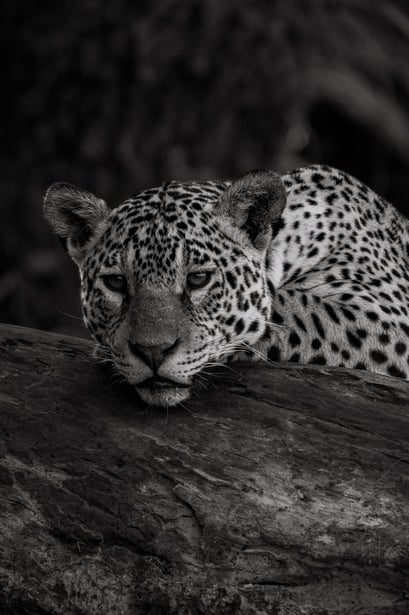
174,279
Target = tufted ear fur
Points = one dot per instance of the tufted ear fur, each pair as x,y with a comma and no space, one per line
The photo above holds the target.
76,216
254,204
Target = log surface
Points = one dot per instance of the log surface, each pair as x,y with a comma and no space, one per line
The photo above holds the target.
281,489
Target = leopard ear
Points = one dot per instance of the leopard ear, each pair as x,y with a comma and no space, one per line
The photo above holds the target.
76,216
255,203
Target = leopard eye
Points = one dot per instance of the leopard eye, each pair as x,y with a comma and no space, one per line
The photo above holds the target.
115,282
198,279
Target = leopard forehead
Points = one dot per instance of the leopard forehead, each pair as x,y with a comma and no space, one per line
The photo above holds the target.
162,230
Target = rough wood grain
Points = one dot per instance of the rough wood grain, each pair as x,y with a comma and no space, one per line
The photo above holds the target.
280,489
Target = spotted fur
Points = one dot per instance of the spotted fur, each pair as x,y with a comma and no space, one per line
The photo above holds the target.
324,280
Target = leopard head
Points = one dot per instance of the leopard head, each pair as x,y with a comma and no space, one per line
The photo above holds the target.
173,279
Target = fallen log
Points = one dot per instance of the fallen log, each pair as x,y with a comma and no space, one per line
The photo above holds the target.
280,489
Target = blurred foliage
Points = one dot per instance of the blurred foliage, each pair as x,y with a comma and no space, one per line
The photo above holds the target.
119,96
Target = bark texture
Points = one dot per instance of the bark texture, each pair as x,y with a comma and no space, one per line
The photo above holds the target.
282,489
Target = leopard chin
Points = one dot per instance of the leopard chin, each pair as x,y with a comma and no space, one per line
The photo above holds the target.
165,397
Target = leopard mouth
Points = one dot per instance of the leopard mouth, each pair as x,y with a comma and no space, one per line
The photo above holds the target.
158,382
159,391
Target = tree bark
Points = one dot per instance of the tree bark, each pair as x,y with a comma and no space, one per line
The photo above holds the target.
280,489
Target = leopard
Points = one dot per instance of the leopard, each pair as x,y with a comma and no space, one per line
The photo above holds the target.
309,267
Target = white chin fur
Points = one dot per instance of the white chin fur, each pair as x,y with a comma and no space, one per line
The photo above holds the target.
163,397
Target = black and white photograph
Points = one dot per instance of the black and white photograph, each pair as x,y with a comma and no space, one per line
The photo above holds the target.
204,308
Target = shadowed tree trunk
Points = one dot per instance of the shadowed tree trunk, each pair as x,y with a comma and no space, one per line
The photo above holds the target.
281,489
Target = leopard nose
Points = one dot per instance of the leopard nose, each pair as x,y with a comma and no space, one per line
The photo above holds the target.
153,356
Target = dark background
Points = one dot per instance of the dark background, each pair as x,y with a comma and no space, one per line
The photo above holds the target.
119,96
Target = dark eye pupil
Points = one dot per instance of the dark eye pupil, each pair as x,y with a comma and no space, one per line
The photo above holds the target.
115,282
197,280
